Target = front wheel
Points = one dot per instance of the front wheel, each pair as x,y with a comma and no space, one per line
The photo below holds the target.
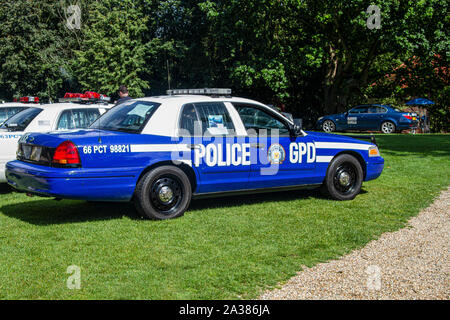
344,178
328,126
163,193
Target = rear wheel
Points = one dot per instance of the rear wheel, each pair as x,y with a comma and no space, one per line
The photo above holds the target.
163,193
328,126
344,178
387,127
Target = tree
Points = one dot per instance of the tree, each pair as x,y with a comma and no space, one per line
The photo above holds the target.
113,51
34,49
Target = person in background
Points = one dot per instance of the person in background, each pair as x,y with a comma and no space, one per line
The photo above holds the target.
123,94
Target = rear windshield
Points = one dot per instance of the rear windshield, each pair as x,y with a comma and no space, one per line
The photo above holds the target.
8,112
21,120
127,117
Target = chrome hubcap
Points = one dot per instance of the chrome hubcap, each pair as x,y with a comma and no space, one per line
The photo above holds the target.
388,127
165,194
344,179
328,126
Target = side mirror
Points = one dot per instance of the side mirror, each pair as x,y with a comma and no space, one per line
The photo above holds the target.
297,127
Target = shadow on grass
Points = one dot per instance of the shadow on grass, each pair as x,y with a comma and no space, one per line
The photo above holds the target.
5,188
258,198
51,212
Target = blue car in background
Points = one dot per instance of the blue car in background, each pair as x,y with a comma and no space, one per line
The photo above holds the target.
370,117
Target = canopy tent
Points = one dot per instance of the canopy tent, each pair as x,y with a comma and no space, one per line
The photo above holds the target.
419,102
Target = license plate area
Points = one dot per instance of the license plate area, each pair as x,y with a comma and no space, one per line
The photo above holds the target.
35,154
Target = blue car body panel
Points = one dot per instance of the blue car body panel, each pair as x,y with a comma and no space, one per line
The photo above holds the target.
112,163
368,121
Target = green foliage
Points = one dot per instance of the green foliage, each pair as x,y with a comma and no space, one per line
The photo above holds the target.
33,48
113,52
314,56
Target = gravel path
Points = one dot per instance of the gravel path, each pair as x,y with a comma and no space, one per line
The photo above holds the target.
411,263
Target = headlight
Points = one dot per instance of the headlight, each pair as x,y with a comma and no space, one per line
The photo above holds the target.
320,119
374,152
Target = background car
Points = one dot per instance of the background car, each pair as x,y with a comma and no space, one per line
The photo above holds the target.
373,117
44,118
9,109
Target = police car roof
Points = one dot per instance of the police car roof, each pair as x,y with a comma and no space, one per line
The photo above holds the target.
196,98
17,104
68,105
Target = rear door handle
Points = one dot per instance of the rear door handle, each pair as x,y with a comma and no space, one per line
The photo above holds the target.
257,145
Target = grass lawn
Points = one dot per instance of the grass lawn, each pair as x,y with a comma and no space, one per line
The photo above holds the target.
222,248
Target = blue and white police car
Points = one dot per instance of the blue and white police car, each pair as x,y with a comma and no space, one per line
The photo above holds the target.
162,151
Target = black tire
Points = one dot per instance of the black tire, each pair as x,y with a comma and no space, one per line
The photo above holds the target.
163,193
388,127
328,126
344,178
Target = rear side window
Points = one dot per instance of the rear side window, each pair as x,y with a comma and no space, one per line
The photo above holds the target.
359,110
188,120
213,117
77,118
21,120
376,109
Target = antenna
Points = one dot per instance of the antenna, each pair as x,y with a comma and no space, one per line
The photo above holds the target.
99,135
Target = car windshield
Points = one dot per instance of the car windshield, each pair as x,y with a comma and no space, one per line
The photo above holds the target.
21,120
127,117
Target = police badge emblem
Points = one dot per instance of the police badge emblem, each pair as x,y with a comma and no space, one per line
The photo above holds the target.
276,154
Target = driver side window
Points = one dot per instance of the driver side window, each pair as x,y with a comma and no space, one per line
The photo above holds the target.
255,118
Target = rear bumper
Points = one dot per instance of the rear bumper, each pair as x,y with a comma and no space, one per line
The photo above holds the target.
2,173
83,184
374,169
406,125
2,170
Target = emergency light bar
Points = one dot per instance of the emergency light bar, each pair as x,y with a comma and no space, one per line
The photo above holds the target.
204,91
28,99
87,97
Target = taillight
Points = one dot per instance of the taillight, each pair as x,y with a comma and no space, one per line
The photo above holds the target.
407,116
66,154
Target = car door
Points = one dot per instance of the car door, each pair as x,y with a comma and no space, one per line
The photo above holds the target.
374,117
277,158
356,118
221,157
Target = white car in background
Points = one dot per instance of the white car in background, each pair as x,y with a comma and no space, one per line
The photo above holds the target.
7,110
44,118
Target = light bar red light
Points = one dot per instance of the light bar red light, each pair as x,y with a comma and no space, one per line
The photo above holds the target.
29,99
88,96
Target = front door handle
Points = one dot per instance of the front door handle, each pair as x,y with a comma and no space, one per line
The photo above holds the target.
193,146
257,145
